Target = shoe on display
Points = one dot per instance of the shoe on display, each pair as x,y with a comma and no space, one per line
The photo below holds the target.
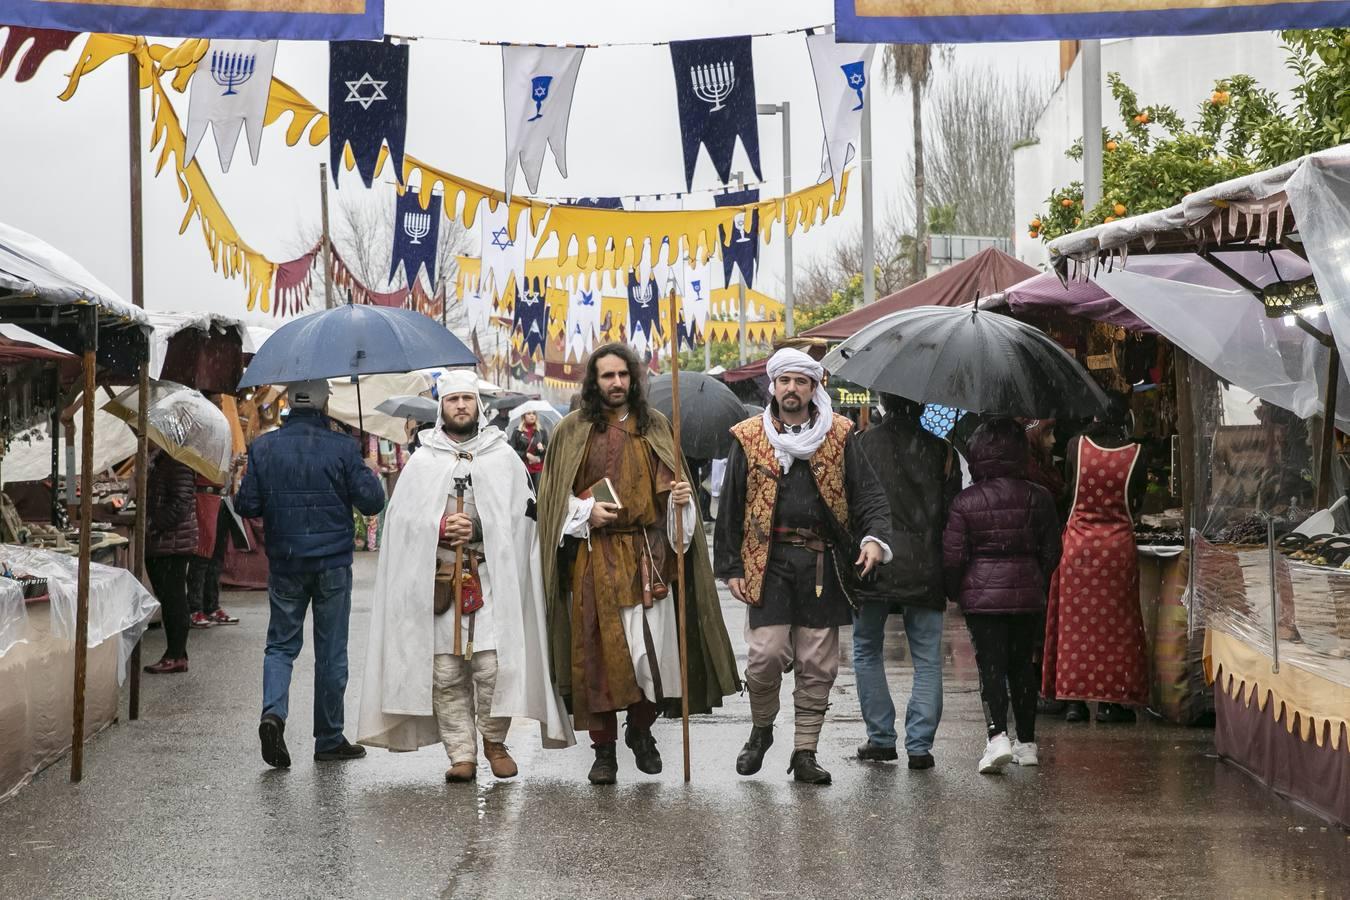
1025,754
997,754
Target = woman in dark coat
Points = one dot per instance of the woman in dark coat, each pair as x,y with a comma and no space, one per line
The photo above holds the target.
170,543
999,548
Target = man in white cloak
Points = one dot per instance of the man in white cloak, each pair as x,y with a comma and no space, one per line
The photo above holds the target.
416,689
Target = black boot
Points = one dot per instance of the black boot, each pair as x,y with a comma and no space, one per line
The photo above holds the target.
805,768
605,770
1077,712
272,736
1114,713
643,745
752,754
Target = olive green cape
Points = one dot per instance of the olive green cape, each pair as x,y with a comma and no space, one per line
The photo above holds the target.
712,665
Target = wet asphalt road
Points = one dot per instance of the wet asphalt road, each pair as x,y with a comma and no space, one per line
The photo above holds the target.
179,804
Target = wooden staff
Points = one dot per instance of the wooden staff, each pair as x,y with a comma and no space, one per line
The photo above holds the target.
681,604
89,334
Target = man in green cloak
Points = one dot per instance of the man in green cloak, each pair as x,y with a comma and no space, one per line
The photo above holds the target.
608,501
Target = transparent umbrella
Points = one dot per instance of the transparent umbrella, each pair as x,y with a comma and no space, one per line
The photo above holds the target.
184,424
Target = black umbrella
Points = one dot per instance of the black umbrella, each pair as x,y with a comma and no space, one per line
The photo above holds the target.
709,410
969,359
409,406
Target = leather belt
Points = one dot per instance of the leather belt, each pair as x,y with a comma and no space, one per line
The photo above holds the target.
210,490
805,537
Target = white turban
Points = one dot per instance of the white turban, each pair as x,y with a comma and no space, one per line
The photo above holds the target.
457,381
802,445
790,360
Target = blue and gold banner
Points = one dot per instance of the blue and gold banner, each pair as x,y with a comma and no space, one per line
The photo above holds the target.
987,21
296,20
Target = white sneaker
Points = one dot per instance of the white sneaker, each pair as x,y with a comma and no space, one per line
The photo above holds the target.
1025,754
997,755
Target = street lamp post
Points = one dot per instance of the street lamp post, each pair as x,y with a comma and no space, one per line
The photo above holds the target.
773,109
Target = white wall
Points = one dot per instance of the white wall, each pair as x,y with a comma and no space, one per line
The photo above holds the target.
1176,72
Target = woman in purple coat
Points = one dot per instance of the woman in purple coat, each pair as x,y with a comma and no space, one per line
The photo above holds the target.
1000,546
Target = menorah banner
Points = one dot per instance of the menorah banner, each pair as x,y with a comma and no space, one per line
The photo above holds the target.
715,94
297,20
416,237
229,92
988,21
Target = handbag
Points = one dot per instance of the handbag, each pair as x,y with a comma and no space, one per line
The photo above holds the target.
471,590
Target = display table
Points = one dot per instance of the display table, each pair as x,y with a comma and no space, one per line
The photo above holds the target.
37,656
1287,729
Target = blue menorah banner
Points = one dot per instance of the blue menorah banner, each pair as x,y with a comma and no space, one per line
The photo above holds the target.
988,21
417,233
644,309
367,104
715,93
250,19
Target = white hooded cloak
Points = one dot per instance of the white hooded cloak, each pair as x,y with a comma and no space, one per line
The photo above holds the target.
396,695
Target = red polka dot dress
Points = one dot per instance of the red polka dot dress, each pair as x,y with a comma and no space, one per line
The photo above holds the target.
1094,631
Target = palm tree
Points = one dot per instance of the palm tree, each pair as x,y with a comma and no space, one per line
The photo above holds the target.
912,64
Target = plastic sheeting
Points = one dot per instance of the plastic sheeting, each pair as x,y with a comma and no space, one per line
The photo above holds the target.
29,457
1229,332
31,266
13,615
1245,478
118,603
1319,194
164,325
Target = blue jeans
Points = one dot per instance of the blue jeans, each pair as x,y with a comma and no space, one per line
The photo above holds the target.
290,595
923,629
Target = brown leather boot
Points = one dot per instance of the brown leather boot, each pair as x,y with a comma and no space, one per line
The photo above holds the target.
461,772
503,766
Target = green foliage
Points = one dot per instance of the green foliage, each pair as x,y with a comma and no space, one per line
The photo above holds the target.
842,300
942,219
1240,128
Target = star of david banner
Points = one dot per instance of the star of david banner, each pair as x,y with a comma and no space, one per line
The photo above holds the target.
503,255
986,21
537,85
229,92
367,104
295,20
715,93
740,248
417,233
842,88
530,317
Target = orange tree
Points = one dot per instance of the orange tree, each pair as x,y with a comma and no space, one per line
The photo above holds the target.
1241,128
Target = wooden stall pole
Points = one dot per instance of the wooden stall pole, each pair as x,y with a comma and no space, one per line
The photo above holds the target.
682,607
89,329
1328,443
1186,462
138,529
327,246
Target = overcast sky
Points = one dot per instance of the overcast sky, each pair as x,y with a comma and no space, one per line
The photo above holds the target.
64,172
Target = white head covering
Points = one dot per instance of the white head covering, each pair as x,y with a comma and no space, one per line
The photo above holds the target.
457,381
308,394
803,445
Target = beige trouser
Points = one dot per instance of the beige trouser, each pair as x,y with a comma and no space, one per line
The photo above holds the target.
812,654
461,694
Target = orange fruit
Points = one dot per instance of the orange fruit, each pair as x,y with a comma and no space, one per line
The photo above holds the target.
1119,209
1033,234
1112,146
1078,221
1066,203
1035,224
1109,219
1142,118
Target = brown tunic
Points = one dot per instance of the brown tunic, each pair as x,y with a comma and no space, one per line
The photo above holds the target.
607,575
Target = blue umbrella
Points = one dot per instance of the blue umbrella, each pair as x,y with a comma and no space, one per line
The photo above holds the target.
355,340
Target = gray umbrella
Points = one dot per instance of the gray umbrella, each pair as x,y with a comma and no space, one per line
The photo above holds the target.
409,406
970,359
708,409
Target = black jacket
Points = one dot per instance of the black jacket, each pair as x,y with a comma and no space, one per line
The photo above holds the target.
170,507
923,475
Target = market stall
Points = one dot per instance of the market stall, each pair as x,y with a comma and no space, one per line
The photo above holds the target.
51,295
1259,369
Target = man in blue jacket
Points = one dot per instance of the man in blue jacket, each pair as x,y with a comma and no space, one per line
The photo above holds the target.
303,480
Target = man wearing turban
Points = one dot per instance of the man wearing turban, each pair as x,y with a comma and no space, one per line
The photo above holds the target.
797,490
